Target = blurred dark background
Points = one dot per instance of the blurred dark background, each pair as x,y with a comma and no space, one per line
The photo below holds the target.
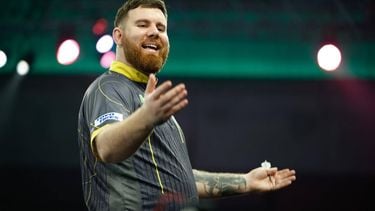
256,93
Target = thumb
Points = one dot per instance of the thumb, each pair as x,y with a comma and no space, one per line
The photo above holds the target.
271,171
151,84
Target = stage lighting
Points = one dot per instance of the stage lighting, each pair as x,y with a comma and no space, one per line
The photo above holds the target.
100,27
3,59
329,57
107,59
23,67
104,44
68,52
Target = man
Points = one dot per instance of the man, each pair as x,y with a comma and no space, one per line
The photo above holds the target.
133,152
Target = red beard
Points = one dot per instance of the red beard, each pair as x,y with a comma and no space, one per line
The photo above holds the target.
145,62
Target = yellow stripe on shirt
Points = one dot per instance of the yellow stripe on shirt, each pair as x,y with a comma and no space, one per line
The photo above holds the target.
156,166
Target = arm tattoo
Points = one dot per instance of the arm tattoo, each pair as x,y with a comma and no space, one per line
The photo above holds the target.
219,184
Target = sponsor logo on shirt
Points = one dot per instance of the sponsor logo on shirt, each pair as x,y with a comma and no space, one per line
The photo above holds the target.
108,116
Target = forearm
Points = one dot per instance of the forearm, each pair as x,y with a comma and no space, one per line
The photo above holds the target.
219,184
120,140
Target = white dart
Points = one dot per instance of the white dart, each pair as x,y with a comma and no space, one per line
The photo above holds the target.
266,164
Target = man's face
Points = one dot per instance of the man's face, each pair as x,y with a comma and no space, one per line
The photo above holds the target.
145,40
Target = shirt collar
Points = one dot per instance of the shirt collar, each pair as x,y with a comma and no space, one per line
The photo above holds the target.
128,72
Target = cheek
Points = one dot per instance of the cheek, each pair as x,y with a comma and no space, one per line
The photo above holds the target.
134,39
165,40
134,36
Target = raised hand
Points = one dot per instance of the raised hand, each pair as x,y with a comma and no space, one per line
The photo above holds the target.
163,101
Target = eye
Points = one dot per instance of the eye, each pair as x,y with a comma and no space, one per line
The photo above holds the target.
141,24
161,28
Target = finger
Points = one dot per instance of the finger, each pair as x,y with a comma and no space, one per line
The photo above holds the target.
172,93
151,84
160,90
182,104
286,173
271,171
175,100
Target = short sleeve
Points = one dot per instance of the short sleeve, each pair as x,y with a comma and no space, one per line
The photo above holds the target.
108,102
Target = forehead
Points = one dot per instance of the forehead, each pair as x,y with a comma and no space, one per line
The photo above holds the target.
150,14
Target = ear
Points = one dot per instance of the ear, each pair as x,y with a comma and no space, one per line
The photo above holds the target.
117,36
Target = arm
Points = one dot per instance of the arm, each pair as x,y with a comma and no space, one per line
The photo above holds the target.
227,184
218,184
120,140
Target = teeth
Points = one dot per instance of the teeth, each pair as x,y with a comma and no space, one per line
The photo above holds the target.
151,46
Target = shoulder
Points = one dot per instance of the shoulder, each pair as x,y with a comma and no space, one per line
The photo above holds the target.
113,89
110,84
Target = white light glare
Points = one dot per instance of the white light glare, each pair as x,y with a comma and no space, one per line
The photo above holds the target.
329,57
104,44
23,68
68,52
3,59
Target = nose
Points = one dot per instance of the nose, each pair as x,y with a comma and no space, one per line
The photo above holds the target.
153,31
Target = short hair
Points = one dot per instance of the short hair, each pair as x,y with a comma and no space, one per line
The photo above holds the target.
132,4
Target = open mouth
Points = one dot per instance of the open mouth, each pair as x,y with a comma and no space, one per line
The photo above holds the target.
151,47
